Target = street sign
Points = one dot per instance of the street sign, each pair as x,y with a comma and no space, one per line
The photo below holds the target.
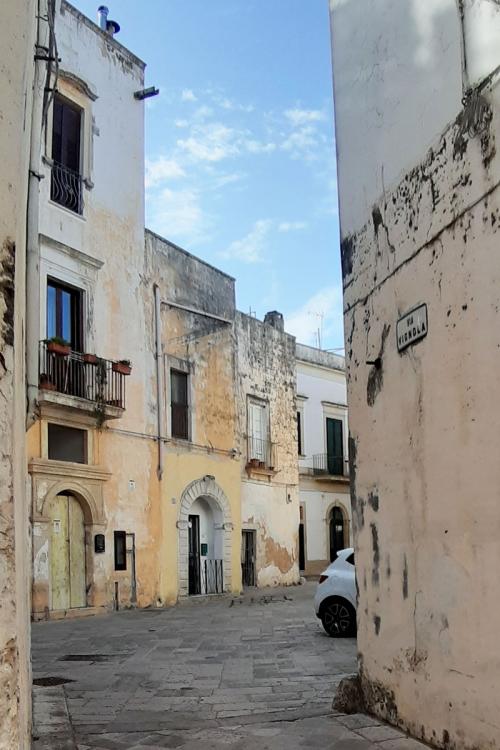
412,327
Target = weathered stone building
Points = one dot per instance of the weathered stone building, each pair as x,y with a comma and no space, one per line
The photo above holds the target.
93,509
18,36
268,446
190,311
322,430
418,120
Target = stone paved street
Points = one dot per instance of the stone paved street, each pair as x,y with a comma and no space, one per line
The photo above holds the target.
255,672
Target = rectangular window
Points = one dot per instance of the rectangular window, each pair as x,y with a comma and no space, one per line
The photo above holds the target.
179,404
299,433
120,550
66,183
67,443
64,313
334,446
258,432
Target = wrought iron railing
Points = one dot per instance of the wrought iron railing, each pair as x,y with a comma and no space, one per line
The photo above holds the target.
261,453
66,188
82,375
325,463
213,577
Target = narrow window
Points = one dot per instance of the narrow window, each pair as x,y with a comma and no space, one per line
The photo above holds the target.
120,550
179,404
64,313
258,432
66,183
67,444
299,433
334,446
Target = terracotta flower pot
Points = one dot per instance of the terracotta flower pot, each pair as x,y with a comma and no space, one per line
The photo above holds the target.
90,359
46,385
62,350
122,368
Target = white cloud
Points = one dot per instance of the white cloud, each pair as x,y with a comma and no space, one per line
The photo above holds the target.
177,215
250,248
181,123
322,311
227,179
211,142
162,169
291,226
188,96
299,117
301,142
256,147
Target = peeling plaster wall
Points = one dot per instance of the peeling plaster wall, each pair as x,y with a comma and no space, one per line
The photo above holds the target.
17,39
270,504
424,428
103,254
205,349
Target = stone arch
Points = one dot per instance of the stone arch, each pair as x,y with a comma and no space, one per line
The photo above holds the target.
207,488
347,524
90,507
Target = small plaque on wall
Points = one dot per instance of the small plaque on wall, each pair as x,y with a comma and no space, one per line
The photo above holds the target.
99,543
204,549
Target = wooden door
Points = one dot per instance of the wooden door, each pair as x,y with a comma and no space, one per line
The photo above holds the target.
194,555
67,553
248,558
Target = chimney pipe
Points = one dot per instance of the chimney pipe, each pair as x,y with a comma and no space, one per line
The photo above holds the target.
275,319
102,17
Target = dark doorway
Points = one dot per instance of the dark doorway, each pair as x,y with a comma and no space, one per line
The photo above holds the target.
302,547
334,447
336,533
194,555
248,558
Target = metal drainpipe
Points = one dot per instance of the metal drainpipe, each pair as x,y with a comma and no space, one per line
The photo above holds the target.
159,379
32,224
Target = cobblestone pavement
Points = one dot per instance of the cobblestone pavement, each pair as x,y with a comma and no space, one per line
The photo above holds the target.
255,672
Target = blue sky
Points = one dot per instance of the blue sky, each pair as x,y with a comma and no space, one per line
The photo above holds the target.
240,166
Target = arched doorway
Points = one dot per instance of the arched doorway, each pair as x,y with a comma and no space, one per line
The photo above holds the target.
205,539
337,532
205,535
67,553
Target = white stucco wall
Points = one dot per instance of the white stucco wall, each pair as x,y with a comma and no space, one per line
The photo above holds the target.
423,422
321,393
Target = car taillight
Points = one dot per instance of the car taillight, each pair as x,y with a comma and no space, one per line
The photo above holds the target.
322,578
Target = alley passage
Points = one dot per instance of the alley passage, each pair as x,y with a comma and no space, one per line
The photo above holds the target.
255,672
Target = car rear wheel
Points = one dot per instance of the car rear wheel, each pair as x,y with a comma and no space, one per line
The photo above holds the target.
338,618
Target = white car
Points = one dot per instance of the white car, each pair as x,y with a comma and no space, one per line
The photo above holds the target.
335,599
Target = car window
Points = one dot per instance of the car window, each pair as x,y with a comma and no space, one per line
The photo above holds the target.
350,559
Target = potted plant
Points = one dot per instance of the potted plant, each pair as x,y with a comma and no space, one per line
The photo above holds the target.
123,366
45,383
254,462
58,346
90,359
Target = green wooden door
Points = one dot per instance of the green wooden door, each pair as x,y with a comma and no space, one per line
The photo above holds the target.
67,553
334,446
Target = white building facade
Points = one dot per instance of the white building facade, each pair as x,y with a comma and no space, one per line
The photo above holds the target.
322,436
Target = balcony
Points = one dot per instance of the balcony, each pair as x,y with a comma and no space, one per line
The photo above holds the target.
66,188
81,381
326,465
261,457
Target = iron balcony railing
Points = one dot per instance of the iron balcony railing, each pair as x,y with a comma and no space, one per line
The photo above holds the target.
261,453
326,464
66,188
213,577
83,375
